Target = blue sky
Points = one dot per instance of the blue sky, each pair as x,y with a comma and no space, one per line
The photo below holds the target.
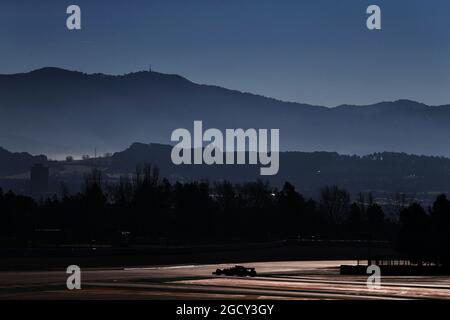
317,52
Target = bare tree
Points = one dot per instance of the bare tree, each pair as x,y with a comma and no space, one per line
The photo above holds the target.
335,202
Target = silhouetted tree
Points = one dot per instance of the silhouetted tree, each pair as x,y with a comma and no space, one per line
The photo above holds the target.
440,215
414,232
375,218
354,222
291,206
335,202
93,213
151,210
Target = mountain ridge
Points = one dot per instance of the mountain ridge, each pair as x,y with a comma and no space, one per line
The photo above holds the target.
17,162
74,113
58,71
384,172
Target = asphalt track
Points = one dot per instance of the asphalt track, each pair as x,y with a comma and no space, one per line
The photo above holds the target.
275,280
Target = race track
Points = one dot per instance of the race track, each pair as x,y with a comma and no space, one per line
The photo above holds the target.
275,280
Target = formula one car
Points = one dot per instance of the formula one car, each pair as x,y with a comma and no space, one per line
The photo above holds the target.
239,271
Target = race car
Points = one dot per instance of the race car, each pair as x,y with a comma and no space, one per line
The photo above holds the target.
239,271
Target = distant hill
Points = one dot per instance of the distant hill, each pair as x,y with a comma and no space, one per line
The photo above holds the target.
381,173
309,171
61,112
14,163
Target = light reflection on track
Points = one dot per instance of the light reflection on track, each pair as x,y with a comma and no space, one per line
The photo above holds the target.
275,280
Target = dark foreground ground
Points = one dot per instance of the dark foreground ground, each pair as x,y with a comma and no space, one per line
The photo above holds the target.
14,259
275,280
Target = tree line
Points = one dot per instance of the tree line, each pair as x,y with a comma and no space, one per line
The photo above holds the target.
144,208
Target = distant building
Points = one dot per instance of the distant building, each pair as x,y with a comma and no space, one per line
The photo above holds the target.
39,179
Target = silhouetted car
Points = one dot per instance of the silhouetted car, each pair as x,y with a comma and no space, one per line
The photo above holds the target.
239,271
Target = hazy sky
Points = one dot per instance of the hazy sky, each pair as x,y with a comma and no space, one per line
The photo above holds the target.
316,51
